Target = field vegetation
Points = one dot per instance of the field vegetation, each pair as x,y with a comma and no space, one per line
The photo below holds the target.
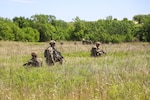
43,28
122,74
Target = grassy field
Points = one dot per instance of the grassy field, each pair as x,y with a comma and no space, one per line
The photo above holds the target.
122,74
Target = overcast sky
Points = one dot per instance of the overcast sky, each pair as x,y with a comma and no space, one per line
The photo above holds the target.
67,10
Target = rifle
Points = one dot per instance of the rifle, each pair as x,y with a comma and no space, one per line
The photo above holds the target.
26,64
101,53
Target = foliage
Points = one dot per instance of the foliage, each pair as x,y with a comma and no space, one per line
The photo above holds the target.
5,31
143,32
31,34
47,27
139,18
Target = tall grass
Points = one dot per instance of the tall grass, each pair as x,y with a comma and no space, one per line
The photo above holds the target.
122,74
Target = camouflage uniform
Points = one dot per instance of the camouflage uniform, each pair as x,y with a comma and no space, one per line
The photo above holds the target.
48,54
52,55
96,51
34,61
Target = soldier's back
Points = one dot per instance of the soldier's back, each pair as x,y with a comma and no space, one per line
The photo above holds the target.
93,51
37,62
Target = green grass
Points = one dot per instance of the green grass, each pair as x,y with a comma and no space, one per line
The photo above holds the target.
77,54
122,74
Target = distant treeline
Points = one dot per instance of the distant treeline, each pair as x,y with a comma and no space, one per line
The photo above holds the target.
41,28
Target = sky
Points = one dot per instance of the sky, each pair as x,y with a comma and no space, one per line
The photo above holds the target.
67,10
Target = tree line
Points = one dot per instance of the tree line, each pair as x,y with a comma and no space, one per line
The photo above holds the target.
41,28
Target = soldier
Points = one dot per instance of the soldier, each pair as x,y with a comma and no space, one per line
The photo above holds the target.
34,61
83,41
52,55
96,51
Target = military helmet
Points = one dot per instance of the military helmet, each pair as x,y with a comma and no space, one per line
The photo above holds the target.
98,43
34,53
52,42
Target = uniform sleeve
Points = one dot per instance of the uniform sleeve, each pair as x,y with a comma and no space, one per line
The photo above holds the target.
28,63
50,50
51,53
40,62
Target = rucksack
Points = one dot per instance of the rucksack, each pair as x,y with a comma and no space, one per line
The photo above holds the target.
93,52
46,53
57,55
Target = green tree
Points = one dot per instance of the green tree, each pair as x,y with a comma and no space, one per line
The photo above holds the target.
17,32
43,23
46,31
139,18
144,31
61,29
41,18
5,30
78,31
30,34
22,21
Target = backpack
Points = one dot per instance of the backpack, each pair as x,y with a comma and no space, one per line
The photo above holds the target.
57,55
93,52
46,53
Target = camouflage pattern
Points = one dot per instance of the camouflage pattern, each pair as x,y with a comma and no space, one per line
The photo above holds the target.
98,43
52,56
57,56
86,42
48,54
34,53
96,51
52,42
34,61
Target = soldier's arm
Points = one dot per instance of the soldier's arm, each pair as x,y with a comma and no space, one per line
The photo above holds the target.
28,63
40,62
99,50
25,64
52,58
51,55
61,57
45,53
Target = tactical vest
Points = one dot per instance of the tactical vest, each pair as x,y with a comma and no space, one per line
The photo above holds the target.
56,54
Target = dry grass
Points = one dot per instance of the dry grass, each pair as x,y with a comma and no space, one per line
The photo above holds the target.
123,74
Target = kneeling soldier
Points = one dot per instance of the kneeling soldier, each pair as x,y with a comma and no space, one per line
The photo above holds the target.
34,61
96,51
52,55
